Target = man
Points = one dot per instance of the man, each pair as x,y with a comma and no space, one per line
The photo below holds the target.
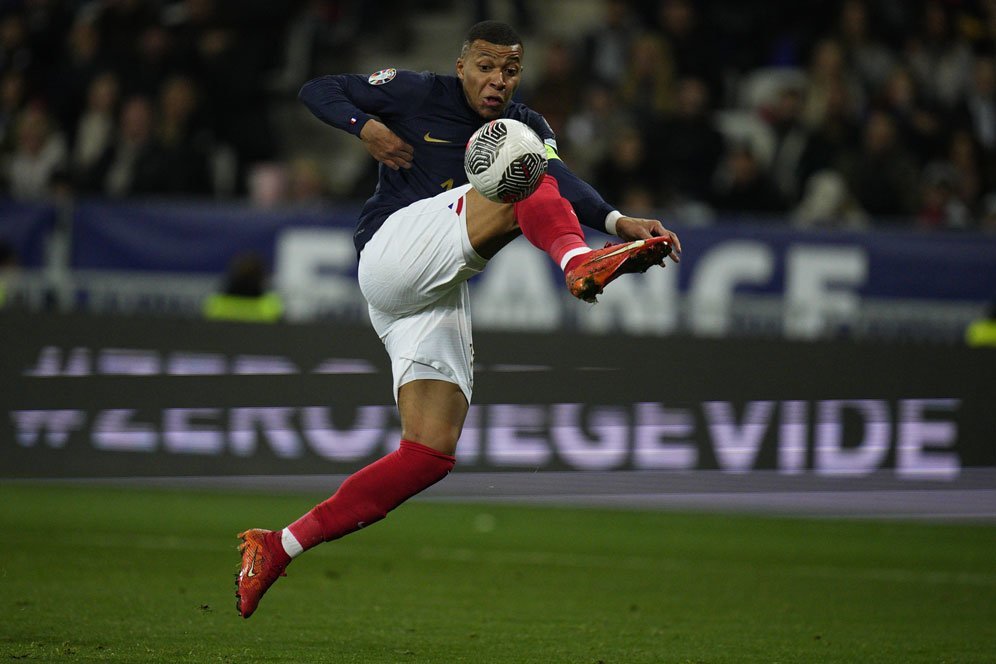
417,249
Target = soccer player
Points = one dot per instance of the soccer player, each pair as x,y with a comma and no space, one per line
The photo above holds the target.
421,235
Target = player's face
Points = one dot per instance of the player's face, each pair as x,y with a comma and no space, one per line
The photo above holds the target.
490,73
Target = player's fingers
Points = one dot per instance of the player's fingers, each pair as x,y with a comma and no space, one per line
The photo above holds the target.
676,247
403,155
389,163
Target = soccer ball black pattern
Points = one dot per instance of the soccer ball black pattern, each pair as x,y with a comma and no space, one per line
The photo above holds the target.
505,161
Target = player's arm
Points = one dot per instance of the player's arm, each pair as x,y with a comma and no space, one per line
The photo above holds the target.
592,210
357,104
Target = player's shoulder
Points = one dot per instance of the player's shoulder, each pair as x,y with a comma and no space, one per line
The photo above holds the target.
391,77
522,113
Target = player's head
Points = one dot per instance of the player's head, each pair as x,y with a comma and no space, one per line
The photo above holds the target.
489,67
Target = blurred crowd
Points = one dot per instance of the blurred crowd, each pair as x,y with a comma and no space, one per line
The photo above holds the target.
828,113
841,113
127,98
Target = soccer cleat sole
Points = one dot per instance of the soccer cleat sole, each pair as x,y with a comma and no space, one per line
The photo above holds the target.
238,573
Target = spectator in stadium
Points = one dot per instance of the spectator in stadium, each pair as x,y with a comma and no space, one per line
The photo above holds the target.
647,87
866,55
882,174
418,298
153,62
231,58
977,109
119,23
918,122
967,161
245,296
135,163
827,203
12,99
743,186
952,185
185,142
307,183
827,75
940,205
940,61
784,116
40,152
95,130
626,165
606,48
591,126
16,53
981,332
686,143
557,89
69,84
692,47
837,135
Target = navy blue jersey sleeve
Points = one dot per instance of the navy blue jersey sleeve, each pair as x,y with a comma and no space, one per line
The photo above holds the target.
347,101
590,207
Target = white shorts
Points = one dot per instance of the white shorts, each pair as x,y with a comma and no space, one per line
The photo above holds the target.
413,274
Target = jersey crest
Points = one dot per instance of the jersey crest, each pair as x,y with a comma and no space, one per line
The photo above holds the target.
383,76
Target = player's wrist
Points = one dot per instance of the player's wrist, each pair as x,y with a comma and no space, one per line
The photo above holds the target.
357,123
610,222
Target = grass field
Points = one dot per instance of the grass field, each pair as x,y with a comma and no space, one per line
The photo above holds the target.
95,574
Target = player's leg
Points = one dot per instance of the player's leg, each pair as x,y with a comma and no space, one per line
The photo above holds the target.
420,307
432,413
548,221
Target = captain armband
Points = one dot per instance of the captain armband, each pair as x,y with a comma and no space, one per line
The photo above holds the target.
551,149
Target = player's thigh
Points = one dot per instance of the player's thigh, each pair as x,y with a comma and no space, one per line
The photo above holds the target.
434,343
420,253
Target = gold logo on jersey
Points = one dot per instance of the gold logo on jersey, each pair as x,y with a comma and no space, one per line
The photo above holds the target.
430,139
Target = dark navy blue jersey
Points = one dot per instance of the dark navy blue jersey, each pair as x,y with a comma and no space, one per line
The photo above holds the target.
430,113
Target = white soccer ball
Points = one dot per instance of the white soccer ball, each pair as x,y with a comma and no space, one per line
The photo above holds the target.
505,160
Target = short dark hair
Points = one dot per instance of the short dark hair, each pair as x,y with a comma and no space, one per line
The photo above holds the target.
495,32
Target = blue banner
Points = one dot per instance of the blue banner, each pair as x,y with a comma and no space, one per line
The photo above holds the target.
166,236
899,264
25,227
733,258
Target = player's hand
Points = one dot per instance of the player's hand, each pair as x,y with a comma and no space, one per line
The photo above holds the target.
386,146
633,228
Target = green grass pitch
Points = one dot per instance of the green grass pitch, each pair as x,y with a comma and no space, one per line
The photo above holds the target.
130,575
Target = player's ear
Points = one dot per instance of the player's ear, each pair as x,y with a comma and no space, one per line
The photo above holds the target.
459,68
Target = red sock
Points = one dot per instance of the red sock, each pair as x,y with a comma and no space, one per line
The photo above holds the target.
548,221
371,492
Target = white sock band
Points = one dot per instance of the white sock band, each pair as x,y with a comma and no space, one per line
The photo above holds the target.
291,545
571,254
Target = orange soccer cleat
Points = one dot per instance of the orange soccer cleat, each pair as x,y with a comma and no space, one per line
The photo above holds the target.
602,266
263,562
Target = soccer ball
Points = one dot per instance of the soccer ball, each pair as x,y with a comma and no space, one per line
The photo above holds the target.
505,161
